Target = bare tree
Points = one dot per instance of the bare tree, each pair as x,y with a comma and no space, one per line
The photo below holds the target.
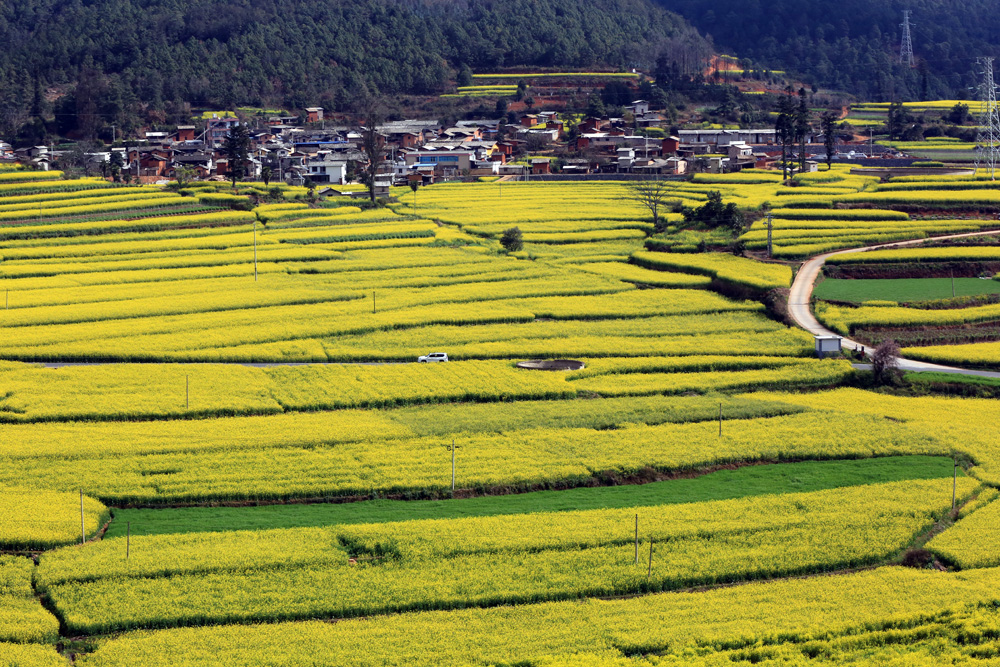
885,361
654,195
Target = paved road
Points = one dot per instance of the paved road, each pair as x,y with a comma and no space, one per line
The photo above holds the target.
805,280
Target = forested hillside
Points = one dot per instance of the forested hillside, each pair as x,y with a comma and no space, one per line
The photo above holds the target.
853,45
130,54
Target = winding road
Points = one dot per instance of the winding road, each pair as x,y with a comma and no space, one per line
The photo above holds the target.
801,294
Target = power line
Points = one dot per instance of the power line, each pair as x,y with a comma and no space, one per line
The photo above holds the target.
987,151
906,47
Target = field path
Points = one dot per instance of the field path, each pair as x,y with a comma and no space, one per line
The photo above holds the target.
805,280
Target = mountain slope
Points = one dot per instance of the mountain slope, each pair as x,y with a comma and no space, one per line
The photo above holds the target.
297,52
853,45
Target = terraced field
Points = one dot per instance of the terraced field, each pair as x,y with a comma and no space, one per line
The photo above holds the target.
675,501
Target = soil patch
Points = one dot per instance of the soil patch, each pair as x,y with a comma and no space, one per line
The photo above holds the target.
551,365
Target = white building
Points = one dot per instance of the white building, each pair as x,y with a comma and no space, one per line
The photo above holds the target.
322,168
626,156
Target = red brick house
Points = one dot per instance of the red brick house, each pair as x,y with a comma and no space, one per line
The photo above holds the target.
541,166
671,145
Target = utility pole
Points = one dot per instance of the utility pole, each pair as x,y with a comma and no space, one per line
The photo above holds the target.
636,539
906,46
987,151
83,530
954,484
770,249
255,249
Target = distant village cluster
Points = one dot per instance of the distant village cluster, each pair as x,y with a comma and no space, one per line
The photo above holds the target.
310,149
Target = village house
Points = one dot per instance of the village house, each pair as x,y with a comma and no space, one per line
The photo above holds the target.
579,166
185,133
216,130
314,114
638,108
726,137
592,125
671,166
540,165
409,133
626,156
153,161
740,157
324,168
446,164
202,163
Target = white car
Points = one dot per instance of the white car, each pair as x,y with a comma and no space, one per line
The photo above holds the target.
433,356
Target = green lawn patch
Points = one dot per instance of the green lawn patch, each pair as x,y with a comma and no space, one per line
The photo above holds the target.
944,155
901,289
721,485
929,377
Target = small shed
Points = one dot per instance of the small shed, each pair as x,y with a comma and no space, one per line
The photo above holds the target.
827,346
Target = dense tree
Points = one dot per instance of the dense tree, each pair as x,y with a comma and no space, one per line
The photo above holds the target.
852,45
464,76
895,118
714,214
595,106
512,240
236,147
617,94
959,114
120,59
802,127
115,165
828,123
784,125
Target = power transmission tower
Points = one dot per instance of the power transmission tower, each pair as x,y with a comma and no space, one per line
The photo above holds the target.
906,46
987,150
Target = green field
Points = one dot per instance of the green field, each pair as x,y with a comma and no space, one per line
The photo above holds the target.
721,485
945,155
929,377
902,289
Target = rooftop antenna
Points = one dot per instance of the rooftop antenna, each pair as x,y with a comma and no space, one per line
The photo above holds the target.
906,46
987,150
